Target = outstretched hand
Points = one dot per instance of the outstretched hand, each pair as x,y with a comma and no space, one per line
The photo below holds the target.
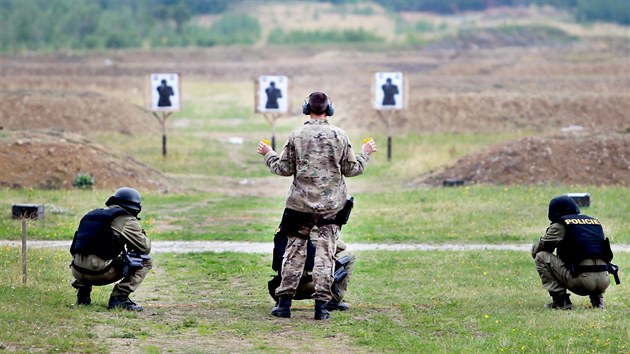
369,147
263,148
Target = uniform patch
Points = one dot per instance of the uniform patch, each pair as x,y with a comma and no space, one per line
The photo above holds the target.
582,221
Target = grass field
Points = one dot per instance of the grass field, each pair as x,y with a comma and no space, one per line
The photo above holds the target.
478,214
402,302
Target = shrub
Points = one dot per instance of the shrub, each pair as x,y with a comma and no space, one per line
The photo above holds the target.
83,181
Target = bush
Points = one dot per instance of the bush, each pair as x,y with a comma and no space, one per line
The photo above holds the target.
83,181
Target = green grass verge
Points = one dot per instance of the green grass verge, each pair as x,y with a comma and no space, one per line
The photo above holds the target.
477,214
401,302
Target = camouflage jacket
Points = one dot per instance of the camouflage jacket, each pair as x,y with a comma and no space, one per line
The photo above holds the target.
318,155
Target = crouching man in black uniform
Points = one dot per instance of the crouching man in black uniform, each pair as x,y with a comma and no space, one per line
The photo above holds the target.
110,246
583,256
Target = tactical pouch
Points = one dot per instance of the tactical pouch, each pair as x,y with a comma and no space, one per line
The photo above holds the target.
342,262
132,262
344,214
340,274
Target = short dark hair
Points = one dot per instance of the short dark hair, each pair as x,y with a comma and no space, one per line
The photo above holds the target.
318,102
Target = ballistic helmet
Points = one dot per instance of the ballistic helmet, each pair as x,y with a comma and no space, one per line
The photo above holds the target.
128,198
561,206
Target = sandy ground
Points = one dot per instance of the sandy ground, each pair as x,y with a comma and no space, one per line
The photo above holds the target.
538,89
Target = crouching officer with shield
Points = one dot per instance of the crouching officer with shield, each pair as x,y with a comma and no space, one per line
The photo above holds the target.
582,260
344,263
110,246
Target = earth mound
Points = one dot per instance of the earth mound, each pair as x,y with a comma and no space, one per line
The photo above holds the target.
79,112
52,160
568,158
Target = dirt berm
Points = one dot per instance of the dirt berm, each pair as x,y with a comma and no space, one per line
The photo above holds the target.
51,159
567,158
75,111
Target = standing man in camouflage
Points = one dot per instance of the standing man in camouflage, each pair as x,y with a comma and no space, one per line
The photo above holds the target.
583,257
318,155
344,266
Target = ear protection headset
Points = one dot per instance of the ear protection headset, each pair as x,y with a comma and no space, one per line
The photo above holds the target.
306,106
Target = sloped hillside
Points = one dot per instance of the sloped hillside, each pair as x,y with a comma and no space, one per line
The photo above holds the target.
568,159
52,159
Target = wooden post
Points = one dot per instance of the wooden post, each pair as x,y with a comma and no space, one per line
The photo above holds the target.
389,136
24,251
164,116
272,121
162,121
388,122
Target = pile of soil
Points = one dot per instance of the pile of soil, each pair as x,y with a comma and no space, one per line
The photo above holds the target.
52,160
72,111
569,158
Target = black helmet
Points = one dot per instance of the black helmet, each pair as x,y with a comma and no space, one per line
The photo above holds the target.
127,198
561,206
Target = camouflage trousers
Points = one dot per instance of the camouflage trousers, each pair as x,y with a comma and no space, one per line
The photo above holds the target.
295,259
557,278
307,289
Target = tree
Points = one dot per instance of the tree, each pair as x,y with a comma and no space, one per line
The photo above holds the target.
605,10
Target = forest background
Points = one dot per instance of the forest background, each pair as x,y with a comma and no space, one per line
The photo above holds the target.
111,24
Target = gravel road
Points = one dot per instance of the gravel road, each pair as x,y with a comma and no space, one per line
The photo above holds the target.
267,247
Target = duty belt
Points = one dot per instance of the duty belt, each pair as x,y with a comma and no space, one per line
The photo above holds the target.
592,268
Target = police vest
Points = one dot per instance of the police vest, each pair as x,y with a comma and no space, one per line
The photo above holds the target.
583,239
95,234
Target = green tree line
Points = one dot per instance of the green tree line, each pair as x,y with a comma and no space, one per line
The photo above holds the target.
617,11
95,24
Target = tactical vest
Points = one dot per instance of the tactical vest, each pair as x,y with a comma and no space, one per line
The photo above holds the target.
584,238
95,234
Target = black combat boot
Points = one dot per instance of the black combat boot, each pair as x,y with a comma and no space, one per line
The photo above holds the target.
320,310
123,302
597,301
83,296
283,308
559,302
334,305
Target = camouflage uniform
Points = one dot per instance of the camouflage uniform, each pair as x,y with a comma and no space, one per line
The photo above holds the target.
306,290
555,276
128,228
318,155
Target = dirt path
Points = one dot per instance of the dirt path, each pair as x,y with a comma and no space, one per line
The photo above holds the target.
267,247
